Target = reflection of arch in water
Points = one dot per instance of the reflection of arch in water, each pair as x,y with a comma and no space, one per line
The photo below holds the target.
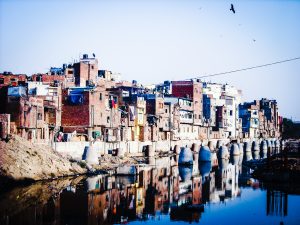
223,164
255,150
185,173
263,149
235,159
223,153
185,157
204,168
204,154
247,151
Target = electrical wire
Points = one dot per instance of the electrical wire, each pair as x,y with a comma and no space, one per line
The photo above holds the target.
248,68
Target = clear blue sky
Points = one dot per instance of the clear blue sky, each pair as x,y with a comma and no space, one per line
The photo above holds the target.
152,41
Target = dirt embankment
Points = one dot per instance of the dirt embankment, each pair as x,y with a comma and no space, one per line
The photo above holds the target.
22,160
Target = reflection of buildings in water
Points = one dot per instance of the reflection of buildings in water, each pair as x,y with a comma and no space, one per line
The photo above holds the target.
208,181
74,206
185,214
227,178
115,199
197,190
185,185
277,203
190,186
189,195
41,212
231,177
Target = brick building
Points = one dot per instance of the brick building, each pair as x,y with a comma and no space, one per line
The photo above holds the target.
98,111
86,71
27,114
10,79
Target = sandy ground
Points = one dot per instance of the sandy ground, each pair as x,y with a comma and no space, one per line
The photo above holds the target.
20,159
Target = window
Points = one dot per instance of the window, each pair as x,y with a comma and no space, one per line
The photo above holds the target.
1,80
100,97
39,116
230,112
166,110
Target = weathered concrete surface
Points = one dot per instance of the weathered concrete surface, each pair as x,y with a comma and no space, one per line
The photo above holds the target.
20,160
76,149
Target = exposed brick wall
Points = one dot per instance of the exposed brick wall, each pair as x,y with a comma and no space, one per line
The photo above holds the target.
26,112
182,89
4,125
197,102
12,79
47,79
75,115
84,72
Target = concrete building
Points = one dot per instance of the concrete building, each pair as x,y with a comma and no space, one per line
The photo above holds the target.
250,119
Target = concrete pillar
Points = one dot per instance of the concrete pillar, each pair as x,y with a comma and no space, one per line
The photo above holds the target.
211,145
177,149
247,151
91,155
255,150
149,151
263,149
120,152
219,144
223,153
195,148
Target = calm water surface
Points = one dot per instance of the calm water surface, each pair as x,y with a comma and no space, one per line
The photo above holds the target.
160,193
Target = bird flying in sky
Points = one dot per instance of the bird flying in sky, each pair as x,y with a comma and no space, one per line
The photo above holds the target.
232,8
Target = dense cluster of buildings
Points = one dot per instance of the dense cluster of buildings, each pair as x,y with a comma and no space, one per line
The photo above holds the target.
81,102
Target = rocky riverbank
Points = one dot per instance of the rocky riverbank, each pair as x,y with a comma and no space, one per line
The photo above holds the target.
21,160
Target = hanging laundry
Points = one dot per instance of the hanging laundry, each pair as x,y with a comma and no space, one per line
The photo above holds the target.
113,104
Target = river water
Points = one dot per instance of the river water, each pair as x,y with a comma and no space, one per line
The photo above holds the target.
160,193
